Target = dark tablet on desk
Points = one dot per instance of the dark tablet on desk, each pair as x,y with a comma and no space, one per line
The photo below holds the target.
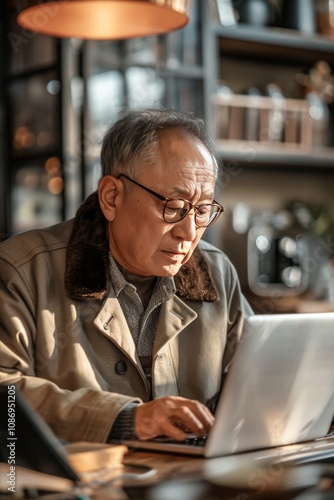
26,439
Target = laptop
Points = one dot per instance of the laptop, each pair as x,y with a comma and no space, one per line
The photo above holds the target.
279,391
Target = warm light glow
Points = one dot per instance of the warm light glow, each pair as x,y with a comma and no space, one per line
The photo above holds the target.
23,138
52,165
103,19
56,185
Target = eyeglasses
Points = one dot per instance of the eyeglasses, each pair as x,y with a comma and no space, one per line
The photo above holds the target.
176,209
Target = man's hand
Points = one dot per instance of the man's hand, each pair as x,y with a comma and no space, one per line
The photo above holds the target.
174,417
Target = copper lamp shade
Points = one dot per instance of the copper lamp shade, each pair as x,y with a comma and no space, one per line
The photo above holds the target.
103,19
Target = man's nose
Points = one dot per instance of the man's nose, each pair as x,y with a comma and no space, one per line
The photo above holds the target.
186,228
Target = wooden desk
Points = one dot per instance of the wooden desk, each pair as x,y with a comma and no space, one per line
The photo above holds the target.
240,477
159,476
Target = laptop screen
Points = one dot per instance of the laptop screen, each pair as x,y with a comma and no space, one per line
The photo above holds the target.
280,388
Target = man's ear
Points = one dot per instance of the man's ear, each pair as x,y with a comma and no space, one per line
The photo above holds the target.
110,192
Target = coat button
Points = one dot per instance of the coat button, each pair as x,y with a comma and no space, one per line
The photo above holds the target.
120,367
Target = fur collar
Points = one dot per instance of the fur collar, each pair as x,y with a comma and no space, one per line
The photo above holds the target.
87,260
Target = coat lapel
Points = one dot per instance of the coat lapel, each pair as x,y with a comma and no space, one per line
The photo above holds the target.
175,315
112,323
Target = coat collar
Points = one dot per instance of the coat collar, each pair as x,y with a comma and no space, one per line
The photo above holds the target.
87,260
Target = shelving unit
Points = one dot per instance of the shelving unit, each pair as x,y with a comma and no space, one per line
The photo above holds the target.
279,42
246,56
31,158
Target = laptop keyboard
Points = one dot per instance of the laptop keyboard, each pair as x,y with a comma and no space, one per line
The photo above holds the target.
195,441
191,440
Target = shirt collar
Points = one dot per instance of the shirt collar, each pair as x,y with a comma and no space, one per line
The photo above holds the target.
164,285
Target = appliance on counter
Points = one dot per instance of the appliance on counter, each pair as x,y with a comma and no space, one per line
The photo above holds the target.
275,255
268,251
276,261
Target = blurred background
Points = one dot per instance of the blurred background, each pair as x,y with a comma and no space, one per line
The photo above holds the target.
259,72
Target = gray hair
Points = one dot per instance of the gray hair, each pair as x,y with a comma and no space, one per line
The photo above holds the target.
134,136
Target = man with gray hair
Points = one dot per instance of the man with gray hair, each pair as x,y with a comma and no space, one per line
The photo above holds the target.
121,322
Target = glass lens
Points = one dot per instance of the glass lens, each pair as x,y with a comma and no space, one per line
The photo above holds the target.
214,211
205,214
175,210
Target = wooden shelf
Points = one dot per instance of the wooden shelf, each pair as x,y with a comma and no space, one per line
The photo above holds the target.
278,155
274,42
289,141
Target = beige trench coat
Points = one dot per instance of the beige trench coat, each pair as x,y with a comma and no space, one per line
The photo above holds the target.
63,333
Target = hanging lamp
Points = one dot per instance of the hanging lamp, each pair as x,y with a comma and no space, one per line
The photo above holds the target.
102,19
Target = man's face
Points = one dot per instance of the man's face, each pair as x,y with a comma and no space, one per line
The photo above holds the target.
140,240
